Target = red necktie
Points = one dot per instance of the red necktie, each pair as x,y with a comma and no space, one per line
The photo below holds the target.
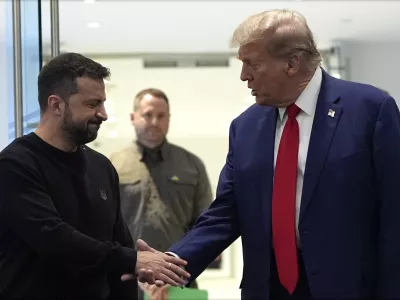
284,203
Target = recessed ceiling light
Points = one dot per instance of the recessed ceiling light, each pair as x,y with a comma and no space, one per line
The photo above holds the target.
89,1
346,20
93,25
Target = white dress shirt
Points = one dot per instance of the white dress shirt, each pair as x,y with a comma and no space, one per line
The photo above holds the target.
307,102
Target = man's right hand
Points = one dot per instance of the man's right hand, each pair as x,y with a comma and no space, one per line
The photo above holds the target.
159,268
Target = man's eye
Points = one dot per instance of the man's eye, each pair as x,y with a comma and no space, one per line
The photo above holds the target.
253,65
93,104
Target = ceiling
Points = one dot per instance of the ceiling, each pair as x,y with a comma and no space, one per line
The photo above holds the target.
206,26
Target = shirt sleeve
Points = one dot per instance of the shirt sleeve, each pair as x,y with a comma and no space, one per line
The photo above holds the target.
126,290
27,209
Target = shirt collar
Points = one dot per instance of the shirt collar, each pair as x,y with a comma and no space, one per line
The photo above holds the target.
307,100
143,149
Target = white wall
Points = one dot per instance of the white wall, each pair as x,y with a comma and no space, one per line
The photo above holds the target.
374,63
203,103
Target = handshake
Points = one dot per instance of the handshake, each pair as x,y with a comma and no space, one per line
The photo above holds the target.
155,267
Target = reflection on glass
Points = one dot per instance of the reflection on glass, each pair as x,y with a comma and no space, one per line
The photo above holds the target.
31,62
6,74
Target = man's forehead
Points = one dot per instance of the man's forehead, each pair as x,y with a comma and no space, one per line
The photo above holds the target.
150,100
90,83
153,103
92,86
250,50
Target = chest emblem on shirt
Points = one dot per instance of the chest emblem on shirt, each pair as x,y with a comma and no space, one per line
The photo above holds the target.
103,194
175,178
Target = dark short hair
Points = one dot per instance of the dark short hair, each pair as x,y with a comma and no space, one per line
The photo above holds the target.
59,76
149,91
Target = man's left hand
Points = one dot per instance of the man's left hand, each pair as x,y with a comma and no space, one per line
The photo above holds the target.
148,275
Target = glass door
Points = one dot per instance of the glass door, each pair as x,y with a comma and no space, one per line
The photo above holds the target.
21,60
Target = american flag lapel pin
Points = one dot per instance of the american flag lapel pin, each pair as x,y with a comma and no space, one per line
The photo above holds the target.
331,113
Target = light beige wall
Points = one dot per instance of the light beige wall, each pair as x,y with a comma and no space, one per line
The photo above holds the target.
203,103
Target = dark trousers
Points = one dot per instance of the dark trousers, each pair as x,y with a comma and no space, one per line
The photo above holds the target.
278,292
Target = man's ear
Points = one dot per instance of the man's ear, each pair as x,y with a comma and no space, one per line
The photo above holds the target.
132,116
293,65
56,104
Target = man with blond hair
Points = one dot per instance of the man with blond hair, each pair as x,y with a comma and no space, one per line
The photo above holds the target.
311,177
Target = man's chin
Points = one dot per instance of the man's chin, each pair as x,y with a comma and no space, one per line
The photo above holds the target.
155,138
264,101
90,137
261,101
154,143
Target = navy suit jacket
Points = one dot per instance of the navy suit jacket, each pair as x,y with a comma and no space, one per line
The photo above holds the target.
350,210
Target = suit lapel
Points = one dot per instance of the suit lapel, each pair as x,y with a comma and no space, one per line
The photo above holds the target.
266,143
326,118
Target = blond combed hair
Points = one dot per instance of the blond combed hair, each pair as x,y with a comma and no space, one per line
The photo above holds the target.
148,91
286,33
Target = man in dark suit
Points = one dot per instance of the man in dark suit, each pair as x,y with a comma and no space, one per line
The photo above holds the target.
311,180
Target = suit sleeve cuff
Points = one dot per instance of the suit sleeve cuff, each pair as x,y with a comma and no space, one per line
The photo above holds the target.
177,256
172,254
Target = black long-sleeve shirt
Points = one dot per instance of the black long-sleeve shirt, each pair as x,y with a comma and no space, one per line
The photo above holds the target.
62,235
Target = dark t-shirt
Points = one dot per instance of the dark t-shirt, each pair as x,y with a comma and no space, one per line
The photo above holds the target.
62,235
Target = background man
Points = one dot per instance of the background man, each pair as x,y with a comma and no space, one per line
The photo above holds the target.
164,188
311,181
62,235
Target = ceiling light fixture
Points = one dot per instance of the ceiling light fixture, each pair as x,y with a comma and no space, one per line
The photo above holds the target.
93,25
346,20
89,1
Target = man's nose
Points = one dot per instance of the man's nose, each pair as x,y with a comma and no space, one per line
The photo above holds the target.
102,114
244,75
154,121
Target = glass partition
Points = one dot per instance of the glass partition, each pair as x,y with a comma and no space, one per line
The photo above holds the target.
31,57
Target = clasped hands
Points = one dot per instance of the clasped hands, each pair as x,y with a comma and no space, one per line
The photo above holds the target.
155,267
